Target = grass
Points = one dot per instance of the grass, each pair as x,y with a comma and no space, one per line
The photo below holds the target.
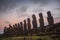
28,38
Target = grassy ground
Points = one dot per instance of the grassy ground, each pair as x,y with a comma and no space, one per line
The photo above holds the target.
28,38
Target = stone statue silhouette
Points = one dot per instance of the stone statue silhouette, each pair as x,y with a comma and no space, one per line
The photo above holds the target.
5,31
10,30
34,23
25,28
21,28
18,29
50,18
29,26
41,21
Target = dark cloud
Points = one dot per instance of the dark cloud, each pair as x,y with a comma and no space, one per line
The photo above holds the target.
6,7
58,1
45,2
36,1
40,1
11,4
22,11
7,22
8,4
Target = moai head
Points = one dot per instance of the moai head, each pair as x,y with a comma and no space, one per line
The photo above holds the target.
33,16
5,29
10,26
28,19
49,13
18,25
29,24
15,25
21,23
40,14
25,21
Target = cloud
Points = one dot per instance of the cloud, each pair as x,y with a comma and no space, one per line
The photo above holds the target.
43,2
11,4
37,10
7,22
58,1
36,1
57,8
6,5
22,11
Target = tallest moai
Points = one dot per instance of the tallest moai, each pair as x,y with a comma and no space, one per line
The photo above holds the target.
50,18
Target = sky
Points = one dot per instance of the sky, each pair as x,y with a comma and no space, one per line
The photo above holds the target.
15,11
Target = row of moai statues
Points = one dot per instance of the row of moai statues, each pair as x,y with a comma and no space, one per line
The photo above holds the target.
25,28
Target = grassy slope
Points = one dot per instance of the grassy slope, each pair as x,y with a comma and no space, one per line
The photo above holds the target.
28,37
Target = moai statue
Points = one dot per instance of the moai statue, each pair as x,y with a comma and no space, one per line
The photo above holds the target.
21,26
50,18
18,29
5,31
25,28
41,21
10,26
10,30
14,30
29,26
16,25
34,23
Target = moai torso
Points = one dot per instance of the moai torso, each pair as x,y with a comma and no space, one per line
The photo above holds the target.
5,31
50,18
21,25
41,20
34,22
29,24
21,28
25,27
18,27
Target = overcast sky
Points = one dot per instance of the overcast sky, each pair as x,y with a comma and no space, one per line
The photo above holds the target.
14,11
